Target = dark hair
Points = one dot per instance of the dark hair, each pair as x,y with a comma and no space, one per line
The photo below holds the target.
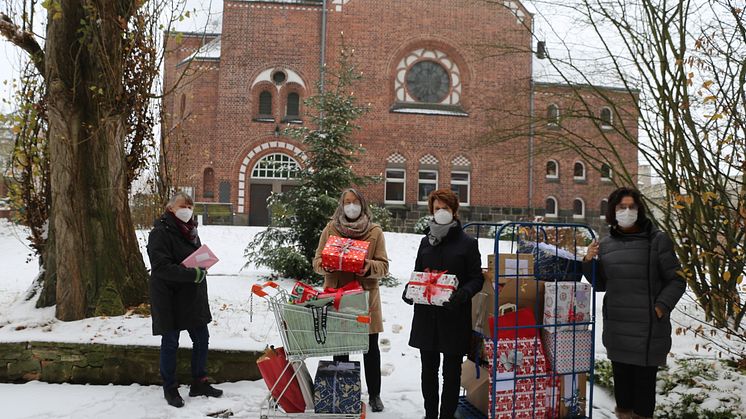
616,197
445,196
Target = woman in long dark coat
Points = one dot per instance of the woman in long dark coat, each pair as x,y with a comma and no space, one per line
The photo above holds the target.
178,297
638,269
445,330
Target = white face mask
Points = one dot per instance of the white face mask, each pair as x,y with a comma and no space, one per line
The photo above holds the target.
626,218
184,214
352,211
443,216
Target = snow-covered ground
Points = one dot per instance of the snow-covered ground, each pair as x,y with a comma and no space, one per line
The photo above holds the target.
238,324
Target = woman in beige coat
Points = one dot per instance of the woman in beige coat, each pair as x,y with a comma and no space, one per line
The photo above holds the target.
352,219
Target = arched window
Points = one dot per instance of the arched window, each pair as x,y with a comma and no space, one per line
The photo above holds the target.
208,183
265,104
606,118
604,208
551,209
275,166
578,171
293,106
552,169
578,208
605,172
553,115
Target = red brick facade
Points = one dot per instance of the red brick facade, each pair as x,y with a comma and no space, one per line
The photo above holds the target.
480,128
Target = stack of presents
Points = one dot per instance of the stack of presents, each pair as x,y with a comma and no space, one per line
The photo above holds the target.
538,346
336,386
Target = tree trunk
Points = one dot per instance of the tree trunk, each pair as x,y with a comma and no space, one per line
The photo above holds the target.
95,258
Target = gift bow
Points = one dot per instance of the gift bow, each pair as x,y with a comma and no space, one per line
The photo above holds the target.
431,284
345,247
339,292
511,360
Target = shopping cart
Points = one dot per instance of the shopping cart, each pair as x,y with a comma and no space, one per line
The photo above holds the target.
311,331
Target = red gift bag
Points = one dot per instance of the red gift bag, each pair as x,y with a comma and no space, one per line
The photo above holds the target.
521,317
278,374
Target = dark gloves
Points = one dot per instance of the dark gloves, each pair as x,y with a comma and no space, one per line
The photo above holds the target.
404,296
458,298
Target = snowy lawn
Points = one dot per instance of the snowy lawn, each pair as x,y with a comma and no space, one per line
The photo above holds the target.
234,327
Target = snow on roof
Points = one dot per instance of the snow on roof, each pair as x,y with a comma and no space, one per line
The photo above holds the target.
208,52
428,111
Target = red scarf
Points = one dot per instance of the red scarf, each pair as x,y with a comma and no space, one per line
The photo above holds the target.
188,230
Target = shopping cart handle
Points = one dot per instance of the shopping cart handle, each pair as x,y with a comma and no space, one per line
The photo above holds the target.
259,289
363,319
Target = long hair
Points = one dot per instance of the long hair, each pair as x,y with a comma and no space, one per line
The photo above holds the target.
616,197
364,208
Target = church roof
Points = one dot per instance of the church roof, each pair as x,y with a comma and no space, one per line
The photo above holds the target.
208,52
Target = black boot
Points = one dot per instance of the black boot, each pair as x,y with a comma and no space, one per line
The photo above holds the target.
173,397
203,388
376,404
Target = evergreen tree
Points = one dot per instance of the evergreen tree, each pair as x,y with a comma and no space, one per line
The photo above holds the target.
299,215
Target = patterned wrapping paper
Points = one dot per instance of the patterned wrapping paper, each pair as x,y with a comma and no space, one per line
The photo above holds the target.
302,292
567,302
563,361
337,387
346,255
431,287
526,398
566,396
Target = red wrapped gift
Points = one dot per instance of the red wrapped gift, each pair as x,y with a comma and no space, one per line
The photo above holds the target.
302,292
349,289
345,255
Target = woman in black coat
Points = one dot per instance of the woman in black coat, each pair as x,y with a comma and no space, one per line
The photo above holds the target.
638,269
178,297
445,330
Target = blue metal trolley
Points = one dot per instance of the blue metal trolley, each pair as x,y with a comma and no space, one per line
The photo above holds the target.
547,386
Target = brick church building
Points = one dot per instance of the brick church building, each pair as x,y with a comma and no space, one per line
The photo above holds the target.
456,99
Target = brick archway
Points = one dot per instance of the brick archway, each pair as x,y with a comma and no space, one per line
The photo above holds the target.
247,163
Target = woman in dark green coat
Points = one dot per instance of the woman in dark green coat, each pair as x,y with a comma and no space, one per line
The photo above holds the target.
639,271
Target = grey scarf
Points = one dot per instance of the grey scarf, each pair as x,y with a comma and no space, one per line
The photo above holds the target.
438,232
353,229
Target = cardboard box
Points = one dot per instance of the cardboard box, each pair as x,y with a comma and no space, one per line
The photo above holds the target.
477,389
524,293
512,264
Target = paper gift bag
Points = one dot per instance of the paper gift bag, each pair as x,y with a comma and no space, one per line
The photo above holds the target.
514,323
347,255
566,396
567,302
351,298
337,387
279,376
431,287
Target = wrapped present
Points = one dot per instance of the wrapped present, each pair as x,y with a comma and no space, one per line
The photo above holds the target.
337,388
431,287
568,351
553,263
567,302
517,393
347,255
302,292
351,298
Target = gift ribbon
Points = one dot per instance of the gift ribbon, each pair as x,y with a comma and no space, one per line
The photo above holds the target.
345,247
431,285
511,360
339,292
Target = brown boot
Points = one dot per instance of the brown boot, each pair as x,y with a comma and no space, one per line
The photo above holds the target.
624,413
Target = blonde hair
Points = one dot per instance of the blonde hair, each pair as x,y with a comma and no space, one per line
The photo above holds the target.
175,197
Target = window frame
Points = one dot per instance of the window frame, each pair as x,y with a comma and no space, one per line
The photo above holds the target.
290,162
606,125
556,169
211,183
553,121
603,213
265,117
582,208
585,171
611,173
426,181
402,180
555,214
466,182
288,116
